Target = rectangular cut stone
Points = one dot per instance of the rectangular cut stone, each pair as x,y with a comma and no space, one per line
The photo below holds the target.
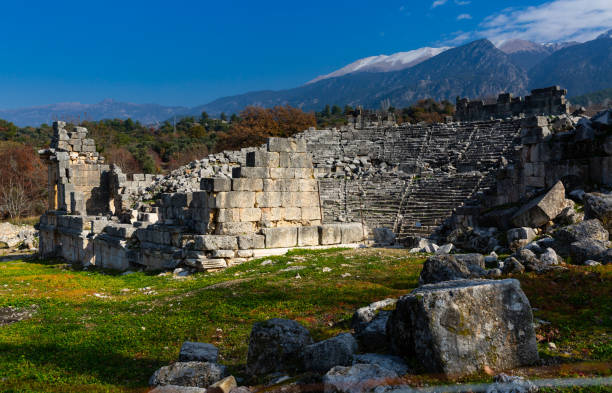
271,213
228,215
245,184
261,158
210,264
308,236
280,237
268,199
216,184
303,173
461,327
541,210
235,228
282,173
215,242
352,232
311,213
251,172
251,241
281,185
309,199
250,214
235,199
244,253
330,234
223,254
292,213
295,160
286,145
309,185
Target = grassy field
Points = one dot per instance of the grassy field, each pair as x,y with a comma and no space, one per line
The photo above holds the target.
101,332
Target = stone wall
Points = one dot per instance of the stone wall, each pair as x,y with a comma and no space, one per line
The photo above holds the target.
547,101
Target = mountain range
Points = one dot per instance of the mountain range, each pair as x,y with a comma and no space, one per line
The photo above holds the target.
476,69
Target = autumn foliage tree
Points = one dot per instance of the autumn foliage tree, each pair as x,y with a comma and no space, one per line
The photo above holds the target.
23,181
256,124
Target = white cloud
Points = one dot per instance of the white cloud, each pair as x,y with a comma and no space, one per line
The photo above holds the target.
437,3
558,20
464,16
462,2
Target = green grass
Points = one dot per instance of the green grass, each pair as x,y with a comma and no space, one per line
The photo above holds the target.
113,341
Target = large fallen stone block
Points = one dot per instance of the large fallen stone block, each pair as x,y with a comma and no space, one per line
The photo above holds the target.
197,374
459,327
373,337
445,267
599,206
336,351
276,345
541,210
584,232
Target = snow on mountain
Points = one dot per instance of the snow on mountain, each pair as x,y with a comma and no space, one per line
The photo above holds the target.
513,46
385,63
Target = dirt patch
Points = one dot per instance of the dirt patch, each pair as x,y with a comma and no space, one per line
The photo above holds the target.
10,314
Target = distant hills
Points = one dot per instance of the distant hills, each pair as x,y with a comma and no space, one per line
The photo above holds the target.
477,69
107,109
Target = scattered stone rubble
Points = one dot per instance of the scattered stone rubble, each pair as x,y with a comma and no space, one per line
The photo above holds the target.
18,236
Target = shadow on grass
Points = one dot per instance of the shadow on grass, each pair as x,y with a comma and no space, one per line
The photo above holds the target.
30,362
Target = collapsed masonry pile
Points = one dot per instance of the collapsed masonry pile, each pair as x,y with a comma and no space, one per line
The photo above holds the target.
187,178
267,206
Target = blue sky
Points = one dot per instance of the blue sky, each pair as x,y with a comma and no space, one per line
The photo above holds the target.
191,52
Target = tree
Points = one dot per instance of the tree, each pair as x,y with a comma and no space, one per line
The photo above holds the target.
223,116
326,111
336,110
13,200
256,124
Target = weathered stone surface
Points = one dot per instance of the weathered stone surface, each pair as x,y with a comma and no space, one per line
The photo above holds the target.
365,315
201,352
458,327
197,374
352,233
439,268
584,231
373,337
276,345
280,237
473,261
215,242
587,249
384,236
336,351
512,266
550,257
541,210
216,184
599,206
247,242
358,378
308,236
330,234
519,237
511,384
389,362
226,385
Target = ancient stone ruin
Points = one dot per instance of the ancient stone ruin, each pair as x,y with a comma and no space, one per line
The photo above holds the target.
321,188
268,205
541,102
